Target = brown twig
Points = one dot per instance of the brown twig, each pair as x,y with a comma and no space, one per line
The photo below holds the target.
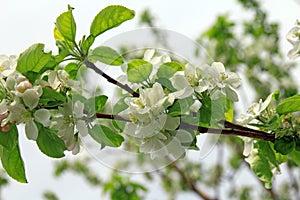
190,183
110,79
231,131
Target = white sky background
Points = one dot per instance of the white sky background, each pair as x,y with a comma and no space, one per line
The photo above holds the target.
24,22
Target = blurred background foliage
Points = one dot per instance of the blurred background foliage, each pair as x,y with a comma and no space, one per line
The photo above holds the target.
249,46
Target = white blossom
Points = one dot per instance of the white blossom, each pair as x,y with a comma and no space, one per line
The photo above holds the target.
293,37
7,65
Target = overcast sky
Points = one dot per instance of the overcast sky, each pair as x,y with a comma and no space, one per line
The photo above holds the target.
30,21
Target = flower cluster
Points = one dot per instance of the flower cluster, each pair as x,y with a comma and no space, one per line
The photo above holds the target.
153,130
213,79
20,103
158,133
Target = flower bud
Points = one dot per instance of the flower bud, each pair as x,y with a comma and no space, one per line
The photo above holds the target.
6,128
23,86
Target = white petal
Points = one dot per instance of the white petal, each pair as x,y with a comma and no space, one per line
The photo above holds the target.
149,53
78,109
179,82
31,98
3,106
172,123
231,94
195,106
82,128
219,67
248,146
42,116
31,130
184,136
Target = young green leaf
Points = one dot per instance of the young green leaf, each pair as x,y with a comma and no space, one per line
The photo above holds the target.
138,71
110,17
289,105
9,139
49,143
66,25
33,59
72,69
13,164
167,70
51,98
87,43
105,136
106,55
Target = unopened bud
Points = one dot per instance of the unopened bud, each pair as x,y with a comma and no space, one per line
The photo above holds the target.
23,86
5,128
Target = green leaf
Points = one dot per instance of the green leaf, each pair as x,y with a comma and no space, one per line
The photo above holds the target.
138,71
9,139
51,98
284,145
110,17
119,107
289,105
229,110
180,107
266,150
94,104
49,143
295,155
105,136
87,43
13,164
33,59
66,25
167,70
262,169
100,102
166,83
72,69
205,111
106,55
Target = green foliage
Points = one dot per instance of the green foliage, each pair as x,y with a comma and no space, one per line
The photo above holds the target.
106,55
34,59
284,145
66,25
9,139
138,71
51,98
13,163
289,105
110,17
167,70
121,188
105,136
49,143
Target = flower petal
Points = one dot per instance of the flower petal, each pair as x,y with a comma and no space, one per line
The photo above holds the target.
42,116
31,130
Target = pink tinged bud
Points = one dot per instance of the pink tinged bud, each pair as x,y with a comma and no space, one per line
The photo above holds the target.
6,128
23,86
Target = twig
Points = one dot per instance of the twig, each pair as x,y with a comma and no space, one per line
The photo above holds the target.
237,132
110,79
190,183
